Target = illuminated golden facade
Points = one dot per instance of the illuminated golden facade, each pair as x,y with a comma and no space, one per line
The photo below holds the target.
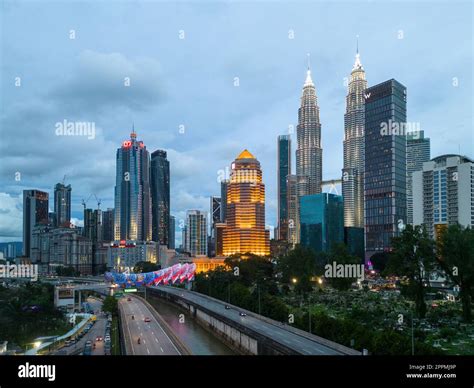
245,213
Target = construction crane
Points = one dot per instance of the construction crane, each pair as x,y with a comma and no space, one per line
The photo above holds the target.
84,202
98,201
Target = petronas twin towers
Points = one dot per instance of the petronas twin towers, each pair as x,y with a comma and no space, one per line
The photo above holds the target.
353,170
309,154
309,151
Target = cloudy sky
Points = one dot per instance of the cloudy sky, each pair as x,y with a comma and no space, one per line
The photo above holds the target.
206,80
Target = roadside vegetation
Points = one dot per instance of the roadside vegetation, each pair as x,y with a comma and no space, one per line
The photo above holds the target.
27,312
382,316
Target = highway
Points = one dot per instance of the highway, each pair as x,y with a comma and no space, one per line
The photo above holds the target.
98,329
276,331
153,339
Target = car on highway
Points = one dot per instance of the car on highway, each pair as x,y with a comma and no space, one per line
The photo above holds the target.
242,314
99,338
87,349
147,320
227,307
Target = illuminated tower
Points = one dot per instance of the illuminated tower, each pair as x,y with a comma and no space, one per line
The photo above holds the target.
309,153
132,191
353,171
245,211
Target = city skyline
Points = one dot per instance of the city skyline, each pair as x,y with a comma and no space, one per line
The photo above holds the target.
198,154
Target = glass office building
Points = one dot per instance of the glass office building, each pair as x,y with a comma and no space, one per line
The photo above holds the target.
284,169
62,205
385,165
322,221
132,192
160,197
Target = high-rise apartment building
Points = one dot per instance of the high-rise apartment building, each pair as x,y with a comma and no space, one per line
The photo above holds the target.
443,193
196,233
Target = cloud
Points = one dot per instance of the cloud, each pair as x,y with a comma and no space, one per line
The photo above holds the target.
11,217
110,81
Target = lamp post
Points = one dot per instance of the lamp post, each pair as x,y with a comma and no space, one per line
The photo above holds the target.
259,306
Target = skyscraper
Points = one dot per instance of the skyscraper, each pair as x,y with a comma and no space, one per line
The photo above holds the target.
35,212
293,227
215,217
385,165
353,170
171,233
224,184
418,152
93,225
284,169
322,221
62,205
443,193
309,154
108,225
160,197
245,231
196,233
132,191
215,210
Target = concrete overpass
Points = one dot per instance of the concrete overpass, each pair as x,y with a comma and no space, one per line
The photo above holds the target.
69,295
250,334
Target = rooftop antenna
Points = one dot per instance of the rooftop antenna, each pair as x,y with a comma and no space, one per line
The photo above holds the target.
309,60
357,44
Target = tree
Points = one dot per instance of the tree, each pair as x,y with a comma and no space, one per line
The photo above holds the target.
251,268
340,255
456,257
110,305
379,261
146,266
413,257
299,264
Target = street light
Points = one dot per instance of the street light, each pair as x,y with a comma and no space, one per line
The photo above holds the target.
294,280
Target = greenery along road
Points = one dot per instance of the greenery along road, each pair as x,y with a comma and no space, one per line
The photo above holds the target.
294,286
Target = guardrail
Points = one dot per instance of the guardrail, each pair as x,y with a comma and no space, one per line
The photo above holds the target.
312,337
